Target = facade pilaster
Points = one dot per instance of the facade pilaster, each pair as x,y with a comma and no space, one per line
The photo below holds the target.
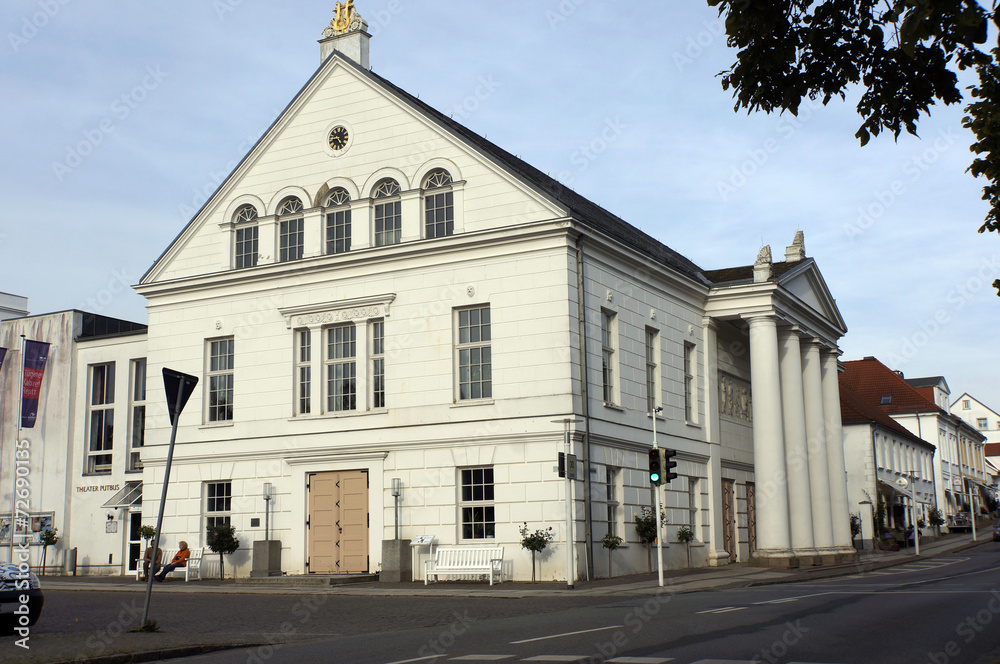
796,448
770,475
839,501
819,475
717,554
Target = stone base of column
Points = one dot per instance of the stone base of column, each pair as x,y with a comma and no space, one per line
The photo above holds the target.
774,558
809,557
840,555
718,557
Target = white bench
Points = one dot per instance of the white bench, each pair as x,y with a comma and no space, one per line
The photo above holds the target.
192,570
465,561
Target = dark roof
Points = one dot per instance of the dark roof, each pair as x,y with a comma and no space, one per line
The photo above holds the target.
854,410
929,381
96,326
583,210
872,380
744,274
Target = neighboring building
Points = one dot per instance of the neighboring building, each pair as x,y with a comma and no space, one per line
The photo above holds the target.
377,293
82,474
879,453
960,465
12,306
978,415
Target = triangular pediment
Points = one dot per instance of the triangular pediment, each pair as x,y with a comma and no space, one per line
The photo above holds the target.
806,283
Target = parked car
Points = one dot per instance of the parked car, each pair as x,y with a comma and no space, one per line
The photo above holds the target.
13,587
996,532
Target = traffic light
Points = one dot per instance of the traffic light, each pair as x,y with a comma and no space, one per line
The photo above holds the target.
655,466
668,464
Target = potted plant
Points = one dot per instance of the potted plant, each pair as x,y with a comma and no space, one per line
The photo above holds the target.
48,537
535,542
685,535
645,528
936,519
222,540
610,541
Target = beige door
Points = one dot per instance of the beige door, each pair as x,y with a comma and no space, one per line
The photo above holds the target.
338,522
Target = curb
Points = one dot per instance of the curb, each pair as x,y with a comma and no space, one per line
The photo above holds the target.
154,655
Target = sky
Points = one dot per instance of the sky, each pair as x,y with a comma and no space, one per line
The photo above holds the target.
120,119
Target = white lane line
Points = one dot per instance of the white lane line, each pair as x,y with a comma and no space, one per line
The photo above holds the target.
418,659
480,658
725,609
557,658
639,660
559,636
779,601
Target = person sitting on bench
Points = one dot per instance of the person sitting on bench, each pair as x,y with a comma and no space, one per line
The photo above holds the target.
179,560
147,559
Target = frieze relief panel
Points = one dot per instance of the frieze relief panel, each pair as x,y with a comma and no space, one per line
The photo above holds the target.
735,399
359,309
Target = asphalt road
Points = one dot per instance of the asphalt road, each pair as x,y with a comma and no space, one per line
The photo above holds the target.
943,611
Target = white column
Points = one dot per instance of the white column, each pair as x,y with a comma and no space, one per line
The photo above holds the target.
717,554
796,449
839,507
819,475
773,539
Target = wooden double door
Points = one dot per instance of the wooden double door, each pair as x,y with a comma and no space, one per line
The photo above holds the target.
338,522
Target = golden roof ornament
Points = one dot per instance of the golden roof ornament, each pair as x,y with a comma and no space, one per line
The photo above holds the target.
346,19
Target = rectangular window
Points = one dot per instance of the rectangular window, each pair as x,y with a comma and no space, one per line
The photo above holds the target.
102,419
689,382
478,516
982,423
291,238
341,368
966,404
439,214
693,505
377,355
220,380
652,373
388,223
137,424
608,355
246,247
218,503
338,232
475,358
611,476
303,370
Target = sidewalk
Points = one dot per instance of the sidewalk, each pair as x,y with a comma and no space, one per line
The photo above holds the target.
677,581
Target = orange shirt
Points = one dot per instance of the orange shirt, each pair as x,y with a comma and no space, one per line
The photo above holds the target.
181,557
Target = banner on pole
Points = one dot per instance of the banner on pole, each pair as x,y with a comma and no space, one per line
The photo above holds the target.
3,353
36,353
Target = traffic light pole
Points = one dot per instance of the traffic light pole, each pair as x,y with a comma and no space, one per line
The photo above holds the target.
656,501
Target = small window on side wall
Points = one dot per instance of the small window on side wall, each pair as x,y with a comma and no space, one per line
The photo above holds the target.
245,221
439,204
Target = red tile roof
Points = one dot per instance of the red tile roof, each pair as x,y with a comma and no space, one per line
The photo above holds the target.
872,380
854,410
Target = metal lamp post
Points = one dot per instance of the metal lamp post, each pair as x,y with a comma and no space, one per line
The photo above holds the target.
872,507
397,491
268,495
567,443
656,500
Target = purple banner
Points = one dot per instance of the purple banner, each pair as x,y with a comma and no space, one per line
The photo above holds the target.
36,353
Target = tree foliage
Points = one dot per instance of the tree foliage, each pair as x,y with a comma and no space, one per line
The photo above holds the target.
904,55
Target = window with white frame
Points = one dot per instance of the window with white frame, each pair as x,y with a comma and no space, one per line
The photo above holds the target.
652,370
219,383
303,372
137,415
376,362
966,404
245,222
693,505
388,213
439,205
689,365
102,419
612,477
341,368
338,221
476,506
218,503
291,230
982,423
475,357
608,347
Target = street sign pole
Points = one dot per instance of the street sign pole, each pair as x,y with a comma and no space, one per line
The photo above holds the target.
178,388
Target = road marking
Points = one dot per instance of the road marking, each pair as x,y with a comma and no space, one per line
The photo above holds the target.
638,660
725,609
557,658
779,601
481,658
418,659
559,636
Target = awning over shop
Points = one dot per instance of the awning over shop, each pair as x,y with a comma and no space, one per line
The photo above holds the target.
129,496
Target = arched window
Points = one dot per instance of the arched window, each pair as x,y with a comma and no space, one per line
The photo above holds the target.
291,230
388,215
338,221
245,220
439,204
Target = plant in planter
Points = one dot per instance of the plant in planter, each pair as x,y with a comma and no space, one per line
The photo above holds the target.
535,542
936,519
645,528
855,525
610,541
147,533
685,535
49,537
222,539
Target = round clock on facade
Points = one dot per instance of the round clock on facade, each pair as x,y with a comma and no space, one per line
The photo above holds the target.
339,137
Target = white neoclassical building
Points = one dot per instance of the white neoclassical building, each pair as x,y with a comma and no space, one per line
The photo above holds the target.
379,297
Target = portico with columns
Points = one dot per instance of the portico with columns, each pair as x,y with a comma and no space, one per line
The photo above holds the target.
783,325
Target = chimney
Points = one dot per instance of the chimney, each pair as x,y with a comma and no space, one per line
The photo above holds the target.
347,34
797,250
